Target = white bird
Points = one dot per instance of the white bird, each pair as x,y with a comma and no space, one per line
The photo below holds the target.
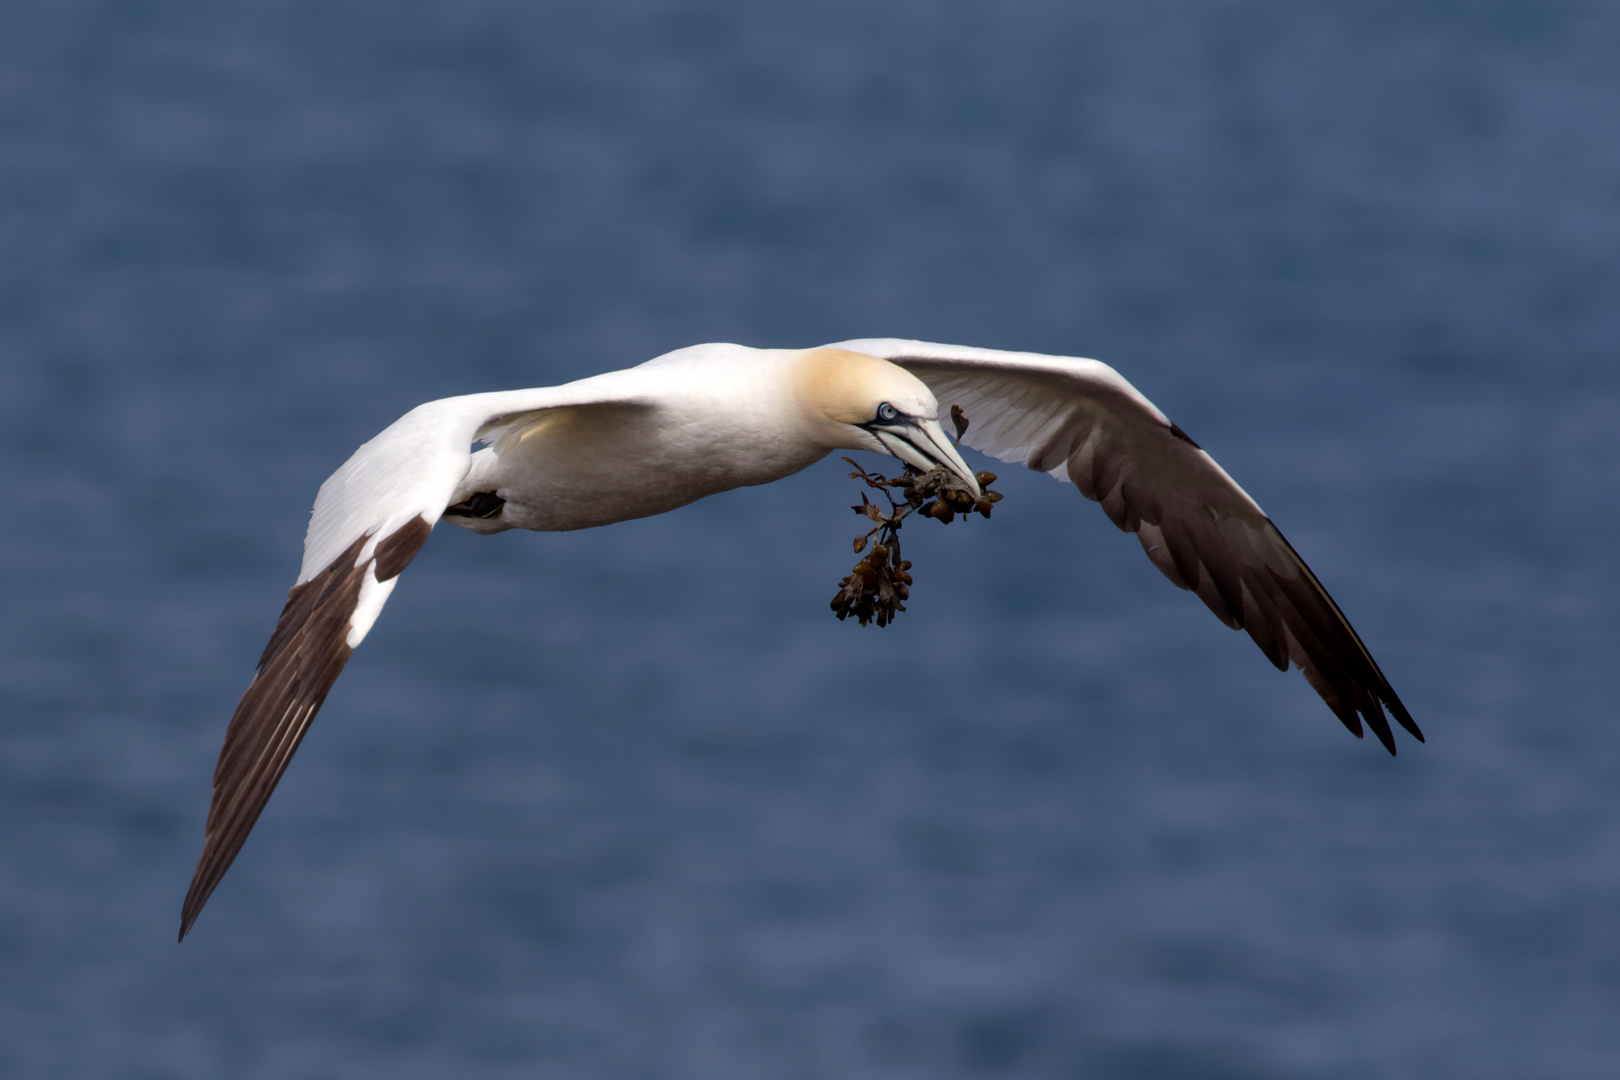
709,418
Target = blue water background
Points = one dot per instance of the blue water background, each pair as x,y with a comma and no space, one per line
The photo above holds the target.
630,802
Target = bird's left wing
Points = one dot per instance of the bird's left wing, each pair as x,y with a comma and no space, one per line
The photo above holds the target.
1081,421
370,519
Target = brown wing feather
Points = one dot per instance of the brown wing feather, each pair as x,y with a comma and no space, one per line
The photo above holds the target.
304,657
1196,525
1243,569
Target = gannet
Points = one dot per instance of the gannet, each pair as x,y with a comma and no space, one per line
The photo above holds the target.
709,418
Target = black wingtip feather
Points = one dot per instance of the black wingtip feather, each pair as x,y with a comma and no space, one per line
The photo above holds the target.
306,653
1380,725
1144,470
1402,717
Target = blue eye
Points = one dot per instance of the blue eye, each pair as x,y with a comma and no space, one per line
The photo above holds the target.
887,412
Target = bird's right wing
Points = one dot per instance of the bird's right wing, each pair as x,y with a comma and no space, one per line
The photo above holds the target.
370,519
1081,421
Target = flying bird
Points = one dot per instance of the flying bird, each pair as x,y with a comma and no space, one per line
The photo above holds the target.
709,418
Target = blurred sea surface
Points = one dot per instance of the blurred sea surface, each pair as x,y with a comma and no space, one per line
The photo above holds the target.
630,802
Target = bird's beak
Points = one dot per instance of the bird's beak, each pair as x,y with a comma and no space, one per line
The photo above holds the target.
923,443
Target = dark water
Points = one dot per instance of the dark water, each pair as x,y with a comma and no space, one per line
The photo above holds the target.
630,803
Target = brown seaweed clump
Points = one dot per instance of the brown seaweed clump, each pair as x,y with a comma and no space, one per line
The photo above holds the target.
877,586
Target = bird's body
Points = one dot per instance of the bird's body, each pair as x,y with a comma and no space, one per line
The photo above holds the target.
583,466
711,418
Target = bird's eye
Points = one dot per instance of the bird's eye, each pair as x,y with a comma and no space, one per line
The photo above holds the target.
887,412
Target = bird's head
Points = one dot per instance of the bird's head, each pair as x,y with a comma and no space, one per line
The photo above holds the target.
861,402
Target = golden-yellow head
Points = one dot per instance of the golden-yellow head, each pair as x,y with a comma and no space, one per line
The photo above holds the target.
861,402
